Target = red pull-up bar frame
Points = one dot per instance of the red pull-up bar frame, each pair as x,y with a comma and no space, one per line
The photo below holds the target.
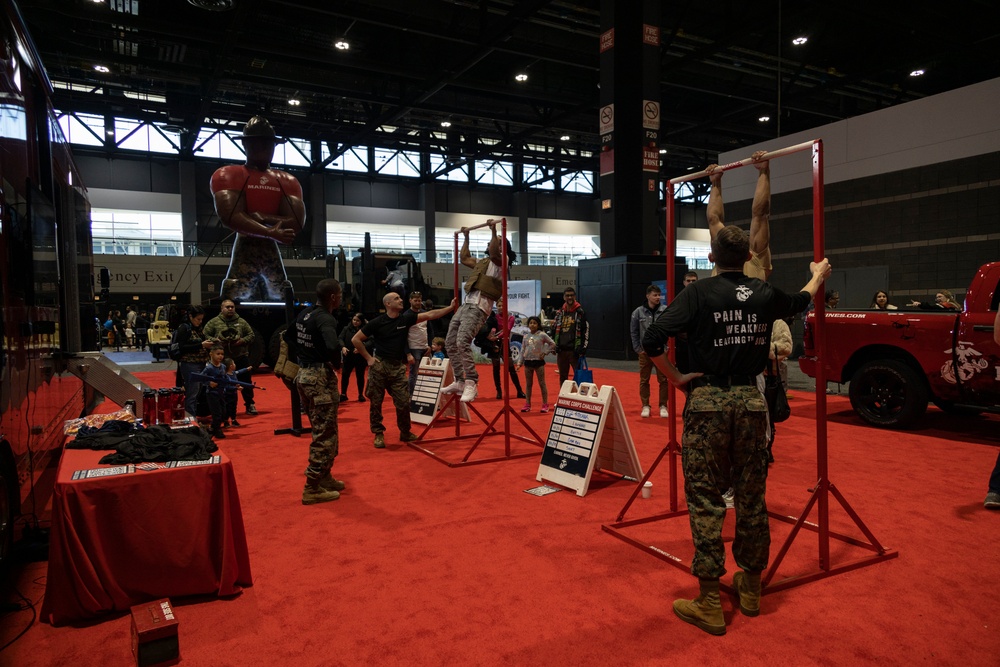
453,400
819,494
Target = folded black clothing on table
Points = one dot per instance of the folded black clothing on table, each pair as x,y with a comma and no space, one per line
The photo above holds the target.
155,443
114,426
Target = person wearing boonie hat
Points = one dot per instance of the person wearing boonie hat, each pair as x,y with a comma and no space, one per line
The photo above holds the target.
264,207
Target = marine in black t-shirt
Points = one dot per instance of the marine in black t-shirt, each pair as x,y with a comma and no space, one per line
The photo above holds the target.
390,334
313,336
728,321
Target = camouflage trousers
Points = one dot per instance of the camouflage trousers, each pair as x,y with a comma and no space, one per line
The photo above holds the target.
388,376
725,445
465,324
317,388
256,271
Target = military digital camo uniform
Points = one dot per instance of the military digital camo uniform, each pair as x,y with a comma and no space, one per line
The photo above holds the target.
388,376
725,446
318,350
388,373
256,270
728,322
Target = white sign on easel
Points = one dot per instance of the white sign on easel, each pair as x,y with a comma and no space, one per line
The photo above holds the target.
432,376
588,431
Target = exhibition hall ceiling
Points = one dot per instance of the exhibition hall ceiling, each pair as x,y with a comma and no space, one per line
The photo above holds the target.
730,73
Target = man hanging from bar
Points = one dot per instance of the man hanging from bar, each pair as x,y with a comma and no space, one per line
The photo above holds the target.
482,290
264,207
759,264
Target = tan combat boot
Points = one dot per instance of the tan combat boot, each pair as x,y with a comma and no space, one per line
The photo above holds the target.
329,483
705,612
747,584
315,493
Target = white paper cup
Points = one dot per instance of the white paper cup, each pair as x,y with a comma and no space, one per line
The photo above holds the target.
647,489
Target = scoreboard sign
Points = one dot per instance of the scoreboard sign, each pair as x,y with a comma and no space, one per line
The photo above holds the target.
588,431
432,376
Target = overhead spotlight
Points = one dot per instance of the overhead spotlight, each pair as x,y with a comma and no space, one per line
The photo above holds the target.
97,2
446,123
764,119
917,72
342,45
564,137
294,102
521,77
663,151
799,41
214,5
101,68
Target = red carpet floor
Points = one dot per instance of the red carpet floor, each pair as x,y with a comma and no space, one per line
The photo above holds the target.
422,564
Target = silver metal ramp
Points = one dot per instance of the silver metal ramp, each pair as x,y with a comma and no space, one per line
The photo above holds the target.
106,379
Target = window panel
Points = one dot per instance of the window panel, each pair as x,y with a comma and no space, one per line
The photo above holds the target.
83,129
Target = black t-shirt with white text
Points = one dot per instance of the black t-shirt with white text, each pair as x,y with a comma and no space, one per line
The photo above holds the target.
390,334
728,321
315,337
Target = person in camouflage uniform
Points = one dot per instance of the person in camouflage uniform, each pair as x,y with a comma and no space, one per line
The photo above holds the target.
728,320
387,367
313,340
235,335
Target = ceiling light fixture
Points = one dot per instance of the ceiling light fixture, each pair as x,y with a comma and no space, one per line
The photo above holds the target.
214,5
564,137
342,45
663,151
764,119
799,41
101,68
521,77
294,102
917,72
446,123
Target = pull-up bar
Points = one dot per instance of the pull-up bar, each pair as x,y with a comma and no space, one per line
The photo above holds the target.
819,494
781,152
493,221
506,411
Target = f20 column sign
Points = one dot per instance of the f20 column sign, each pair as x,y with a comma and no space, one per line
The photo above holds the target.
588,430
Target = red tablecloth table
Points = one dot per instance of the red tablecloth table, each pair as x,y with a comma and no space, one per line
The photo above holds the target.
122,540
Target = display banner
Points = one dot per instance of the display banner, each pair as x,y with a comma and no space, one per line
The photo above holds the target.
588,431
432,376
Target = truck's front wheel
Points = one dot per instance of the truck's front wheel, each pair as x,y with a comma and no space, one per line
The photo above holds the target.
888,393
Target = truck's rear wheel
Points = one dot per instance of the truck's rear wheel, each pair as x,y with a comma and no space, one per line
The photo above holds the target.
888,393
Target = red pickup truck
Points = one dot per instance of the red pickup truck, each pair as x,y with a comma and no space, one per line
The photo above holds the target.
898,360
